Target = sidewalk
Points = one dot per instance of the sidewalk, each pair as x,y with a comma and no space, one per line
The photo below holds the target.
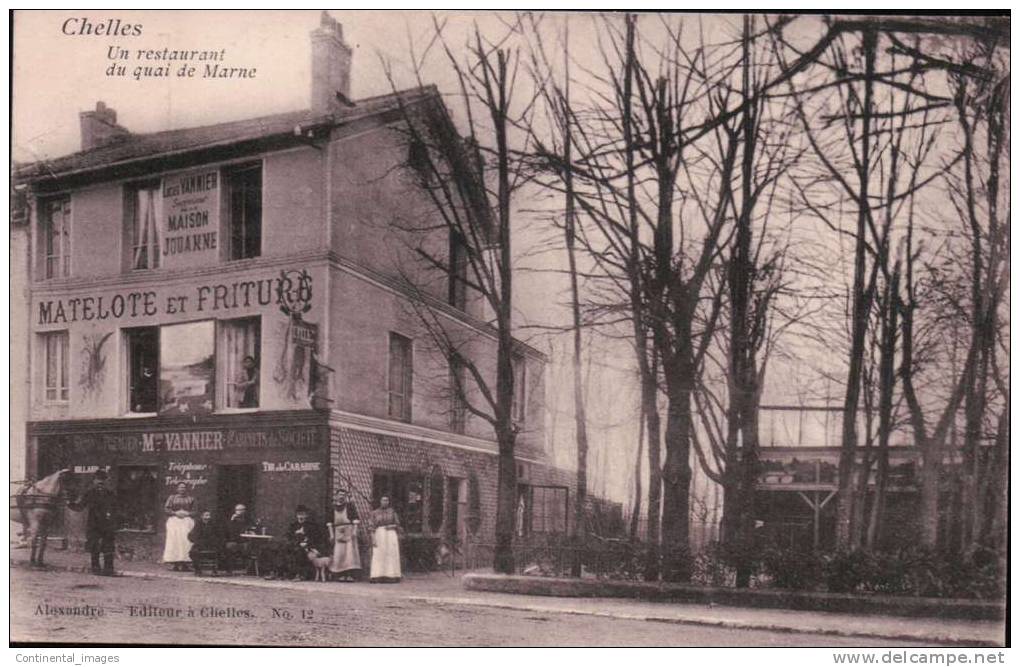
442,589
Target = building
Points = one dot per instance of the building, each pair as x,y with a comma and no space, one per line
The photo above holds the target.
231,307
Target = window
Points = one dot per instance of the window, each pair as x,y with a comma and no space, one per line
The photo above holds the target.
137,502
55,226
400,377
542,509
404,489
437,506
458,403
458,271
143,369
142,215
187,368
55,363
241,365
244,188
520,406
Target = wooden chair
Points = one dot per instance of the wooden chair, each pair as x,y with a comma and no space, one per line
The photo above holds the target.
207,560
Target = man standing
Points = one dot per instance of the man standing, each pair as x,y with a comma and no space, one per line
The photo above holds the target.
100,524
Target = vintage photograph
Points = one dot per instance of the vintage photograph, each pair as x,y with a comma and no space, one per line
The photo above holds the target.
504,329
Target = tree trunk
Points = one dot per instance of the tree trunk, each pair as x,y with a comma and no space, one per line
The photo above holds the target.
506,500
676,474
861,306
635,515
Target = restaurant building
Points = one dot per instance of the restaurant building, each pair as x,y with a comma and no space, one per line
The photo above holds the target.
238,307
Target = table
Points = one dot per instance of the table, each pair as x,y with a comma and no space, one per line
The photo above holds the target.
258,543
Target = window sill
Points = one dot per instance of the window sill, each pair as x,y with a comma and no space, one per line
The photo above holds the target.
139,415
236,411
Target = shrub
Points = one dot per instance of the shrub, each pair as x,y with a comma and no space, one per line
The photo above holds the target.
792,569
848,571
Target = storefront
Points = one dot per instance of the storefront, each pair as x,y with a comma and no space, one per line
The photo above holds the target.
271,462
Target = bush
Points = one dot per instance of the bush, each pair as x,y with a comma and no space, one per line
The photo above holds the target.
792,569
712,567
849,571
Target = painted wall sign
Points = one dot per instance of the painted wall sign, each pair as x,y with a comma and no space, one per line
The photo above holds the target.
307,437
291,466
207,298
191,219
306,334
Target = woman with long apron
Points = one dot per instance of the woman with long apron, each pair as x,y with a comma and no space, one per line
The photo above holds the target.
385,544
343,532
179,508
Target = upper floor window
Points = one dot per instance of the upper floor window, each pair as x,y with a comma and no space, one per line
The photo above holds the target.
241,367
244,192
55,228
171,369
400,377
520,389
458,271
142,219
55,364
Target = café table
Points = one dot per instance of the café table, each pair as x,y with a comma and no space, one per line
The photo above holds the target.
258,542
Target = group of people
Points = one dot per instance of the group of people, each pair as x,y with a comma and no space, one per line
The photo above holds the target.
299,553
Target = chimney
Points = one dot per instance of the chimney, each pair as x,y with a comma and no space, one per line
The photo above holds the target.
99,128
331,67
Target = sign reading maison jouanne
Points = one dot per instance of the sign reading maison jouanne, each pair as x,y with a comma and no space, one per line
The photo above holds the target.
191,219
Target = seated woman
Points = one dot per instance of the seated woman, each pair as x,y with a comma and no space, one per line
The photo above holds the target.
207,541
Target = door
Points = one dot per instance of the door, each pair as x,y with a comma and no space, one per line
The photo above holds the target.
235,484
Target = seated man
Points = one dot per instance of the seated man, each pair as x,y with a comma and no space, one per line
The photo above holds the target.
237,550
206,538
302,534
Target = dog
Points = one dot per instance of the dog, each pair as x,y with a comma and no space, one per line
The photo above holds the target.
319,562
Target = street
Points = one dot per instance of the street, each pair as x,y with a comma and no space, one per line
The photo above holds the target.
71,608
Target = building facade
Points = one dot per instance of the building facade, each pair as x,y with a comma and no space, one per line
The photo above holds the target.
238,308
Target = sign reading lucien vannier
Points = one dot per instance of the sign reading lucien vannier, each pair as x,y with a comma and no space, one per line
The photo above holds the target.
199,440
191,215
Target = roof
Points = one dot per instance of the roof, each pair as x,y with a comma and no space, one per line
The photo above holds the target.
137,147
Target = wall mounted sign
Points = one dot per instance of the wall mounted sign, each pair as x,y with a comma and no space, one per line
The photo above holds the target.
204,440
191,219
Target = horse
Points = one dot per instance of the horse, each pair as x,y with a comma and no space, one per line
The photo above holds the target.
36,504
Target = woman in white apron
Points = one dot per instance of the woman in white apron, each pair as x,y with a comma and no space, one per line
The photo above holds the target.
343,532
179,508
385,544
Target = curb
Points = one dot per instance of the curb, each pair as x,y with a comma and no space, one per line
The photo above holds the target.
886,605
439,600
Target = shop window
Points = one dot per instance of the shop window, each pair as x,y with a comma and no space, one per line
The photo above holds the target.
143,369
458,270
142,216
55,230
137,501
55,363
542,509
244,188
437,506
405,491
187,368
458,403
241,362
400,377
520,390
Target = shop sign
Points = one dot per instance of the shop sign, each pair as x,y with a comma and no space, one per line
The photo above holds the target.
85,470
191,474
306,334
191,219
307,437
291,291
290,466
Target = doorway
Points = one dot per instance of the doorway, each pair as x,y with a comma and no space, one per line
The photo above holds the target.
235,484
